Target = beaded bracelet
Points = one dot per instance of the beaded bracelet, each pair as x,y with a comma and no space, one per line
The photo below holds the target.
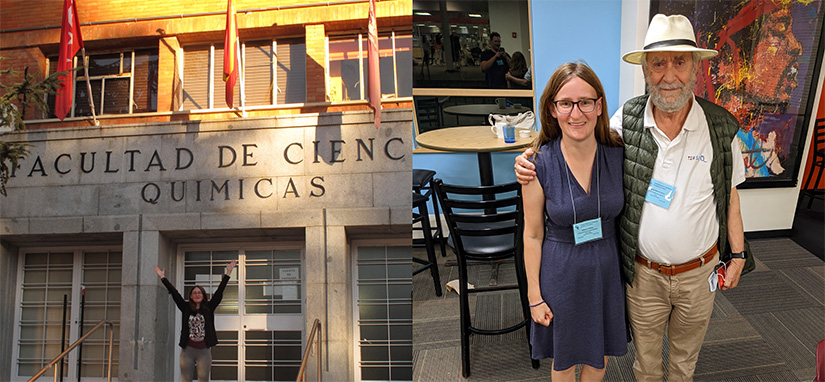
537,304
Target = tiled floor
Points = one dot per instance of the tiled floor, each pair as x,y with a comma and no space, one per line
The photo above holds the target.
764,330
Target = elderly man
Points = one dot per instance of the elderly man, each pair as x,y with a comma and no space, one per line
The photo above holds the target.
681,168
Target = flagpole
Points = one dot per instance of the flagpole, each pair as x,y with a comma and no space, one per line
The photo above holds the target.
242,64
89,86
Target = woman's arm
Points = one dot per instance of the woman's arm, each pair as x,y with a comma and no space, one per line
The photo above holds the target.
515,80
218,296
533,199
179,301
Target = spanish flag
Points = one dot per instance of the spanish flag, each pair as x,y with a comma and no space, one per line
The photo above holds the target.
374,90
230,54
70,43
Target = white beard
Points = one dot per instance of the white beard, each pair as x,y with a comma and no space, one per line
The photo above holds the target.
669,107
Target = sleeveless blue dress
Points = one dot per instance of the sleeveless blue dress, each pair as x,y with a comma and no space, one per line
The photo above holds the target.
581,283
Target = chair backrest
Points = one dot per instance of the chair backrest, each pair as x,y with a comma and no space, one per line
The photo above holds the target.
484,221
428,111
819,135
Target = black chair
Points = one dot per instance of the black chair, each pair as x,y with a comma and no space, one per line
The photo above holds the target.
818,164
422,184
422,217
428,111
485,231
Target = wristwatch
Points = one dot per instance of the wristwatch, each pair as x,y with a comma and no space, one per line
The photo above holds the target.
738,255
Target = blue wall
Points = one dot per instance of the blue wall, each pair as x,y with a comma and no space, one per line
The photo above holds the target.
563,31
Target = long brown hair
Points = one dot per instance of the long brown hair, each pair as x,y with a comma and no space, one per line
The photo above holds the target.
518,65
192,305
550,128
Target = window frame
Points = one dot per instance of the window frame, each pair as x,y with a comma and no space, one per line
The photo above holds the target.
477,92
79,79
361,39
213,88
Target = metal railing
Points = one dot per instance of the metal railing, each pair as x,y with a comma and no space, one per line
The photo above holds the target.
314,335
80,340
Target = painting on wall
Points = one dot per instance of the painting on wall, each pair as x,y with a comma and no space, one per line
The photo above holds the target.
766,74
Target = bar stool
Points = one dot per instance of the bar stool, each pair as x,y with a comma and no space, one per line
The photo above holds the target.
422,217
485,231
422,185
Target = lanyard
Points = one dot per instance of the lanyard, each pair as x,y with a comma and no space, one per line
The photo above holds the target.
598,185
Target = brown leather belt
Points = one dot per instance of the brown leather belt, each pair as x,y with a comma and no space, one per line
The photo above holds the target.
670,270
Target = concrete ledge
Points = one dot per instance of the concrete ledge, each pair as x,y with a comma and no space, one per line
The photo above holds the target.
14,226
282,219
230,221
358,216
110,223
171,222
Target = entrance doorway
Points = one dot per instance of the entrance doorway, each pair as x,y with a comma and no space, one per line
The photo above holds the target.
261,319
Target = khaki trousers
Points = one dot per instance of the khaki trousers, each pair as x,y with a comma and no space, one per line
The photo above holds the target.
682,303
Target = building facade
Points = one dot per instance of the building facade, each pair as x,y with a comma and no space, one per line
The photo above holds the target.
295,182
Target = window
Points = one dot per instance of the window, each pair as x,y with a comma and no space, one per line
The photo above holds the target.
349,67
47,277
275,74
121,83
384,312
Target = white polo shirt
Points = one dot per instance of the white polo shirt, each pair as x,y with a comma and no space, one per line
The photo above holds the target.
689,227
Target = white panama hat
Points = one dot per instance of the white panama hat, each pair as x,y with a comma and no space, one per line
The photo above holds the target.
669,34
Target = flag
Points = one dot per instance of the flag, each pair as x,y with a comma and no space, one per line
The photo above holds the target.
230,53
374,91
70,43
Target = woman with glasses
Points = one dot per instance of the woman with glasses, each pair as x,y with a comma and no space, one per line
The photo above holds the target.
197,332
570,246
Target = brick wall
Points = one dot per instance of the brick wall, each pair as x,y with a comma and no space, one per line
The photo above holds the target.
316,57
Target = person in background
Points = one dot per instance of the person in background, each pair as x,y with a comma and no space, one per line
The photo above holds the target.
519,75
197,332
495,63
574,285
682,166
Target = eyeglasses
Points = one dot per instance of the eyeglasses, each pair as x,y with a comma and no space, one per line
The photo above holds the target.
586,105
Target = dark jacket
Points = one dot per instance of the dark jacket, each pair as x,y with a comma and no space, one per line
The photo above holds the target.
207,310
640,155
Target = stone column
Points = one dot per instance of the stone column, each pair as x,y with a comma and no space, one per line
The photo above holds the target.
148,330
329,298
8,294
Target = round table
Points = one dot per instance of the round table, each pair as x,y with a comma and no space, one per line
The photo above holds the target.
477,139
482,110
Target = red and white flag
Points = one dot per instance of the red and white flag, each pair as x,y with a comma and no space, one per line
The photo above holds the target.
70,43
374,91
230,54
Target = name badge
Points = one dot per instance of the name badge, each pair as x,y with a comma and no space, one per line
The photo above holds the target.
587,230
660,193
499,62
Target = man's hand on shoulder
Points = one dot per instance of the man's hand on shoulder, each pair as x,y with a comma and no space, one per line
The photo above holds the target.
525,170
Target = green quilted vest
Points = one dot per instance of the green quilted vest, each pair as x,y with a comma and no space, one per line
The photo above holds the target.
640,155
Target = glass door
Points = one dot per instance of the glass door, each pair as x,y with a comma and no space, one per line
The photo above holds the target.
260,321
